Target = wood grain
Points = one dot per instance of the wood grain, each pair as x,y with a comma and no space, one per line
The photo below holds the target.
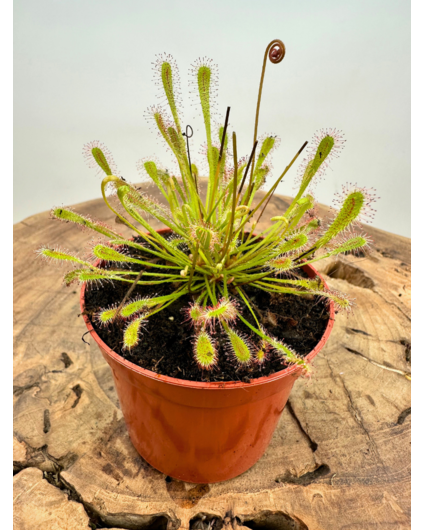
340,457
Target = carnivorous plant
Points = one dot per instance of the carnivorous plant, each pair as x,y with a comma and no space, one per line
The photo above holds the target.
214,250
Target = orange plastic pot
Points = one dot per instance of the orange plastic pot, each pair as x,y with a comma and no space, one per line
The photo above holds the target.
200,432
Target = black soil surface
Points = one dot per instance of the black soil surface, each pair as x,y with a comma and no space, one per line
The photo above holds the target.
165,346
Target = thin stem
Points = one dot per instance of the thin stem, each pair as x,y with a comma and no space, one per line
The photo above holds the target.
210,200
275,59
235,187
247,167
226,121
226,292
272,44
210,294
195,257
244,298
127,294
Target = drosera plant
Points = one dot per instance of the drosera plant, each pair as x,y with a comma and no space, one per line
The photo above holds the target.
215,251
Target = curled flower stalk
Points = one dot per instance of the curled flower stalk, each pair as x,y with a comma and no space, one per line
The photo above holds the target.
214,250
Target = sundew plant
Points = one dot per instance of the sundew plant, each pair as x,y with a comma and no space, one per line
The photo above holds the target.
214,251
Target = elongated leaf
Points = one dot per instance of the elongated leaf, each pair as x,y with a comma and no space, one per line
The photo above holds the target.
97,155
67,215
159,177
132,332
224,311
204,351
239,346
288,354
295,242
107,315
57,254
350,245
204,84
281,264
350,210
89,275
168,84
136,306
110,254
266,147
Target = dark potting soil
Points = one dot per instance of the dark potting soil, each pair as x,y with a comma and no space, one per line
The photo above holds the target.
165,346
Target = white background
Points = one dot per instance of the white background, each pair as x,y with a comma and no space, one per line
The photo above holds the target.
82,71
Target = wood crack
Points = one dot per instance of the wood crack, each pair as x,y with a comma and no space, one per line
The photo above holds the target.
407,375
403,415
356,414
308,478
263,520
392,303
122,521
78,392
18,390
40,458
313,445
46,421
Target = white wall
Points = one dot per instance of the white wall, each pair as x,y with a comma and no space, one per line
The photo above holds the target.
83,72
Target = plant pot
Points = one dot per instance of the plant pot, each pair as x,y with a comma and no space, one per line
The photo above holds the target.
200,432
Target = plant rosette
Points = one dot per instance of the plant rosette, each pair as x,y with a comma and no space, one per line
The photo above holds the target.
197,430
201,432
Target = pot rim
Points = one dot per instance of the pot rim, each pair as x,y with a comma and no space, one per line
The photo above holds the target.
290,370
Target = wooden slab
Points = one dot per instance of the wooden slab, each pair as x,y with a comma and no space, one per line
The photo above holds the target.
340,457
38,505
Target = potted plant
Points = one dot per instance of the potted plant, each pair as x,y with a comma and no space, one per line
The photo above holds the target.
207,324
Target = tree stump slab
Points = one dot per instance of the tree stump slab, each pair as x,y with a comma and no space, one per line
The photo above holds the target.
38,505
340,456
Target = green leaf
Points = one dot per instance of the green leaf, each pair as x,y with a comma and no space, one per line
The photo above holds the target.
213,155
167,83
341,301
323,150
350,210
225,310
195,312
67,215
159,177
239,346
177,142
281,264
204,351
127,242
288,354
101,160
204,85
195,171
350,245
107,315
266,147
132,332
260,355
143,202
140,304
110,254
297,241
260,177
136,306
162,126
61,256
89,275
